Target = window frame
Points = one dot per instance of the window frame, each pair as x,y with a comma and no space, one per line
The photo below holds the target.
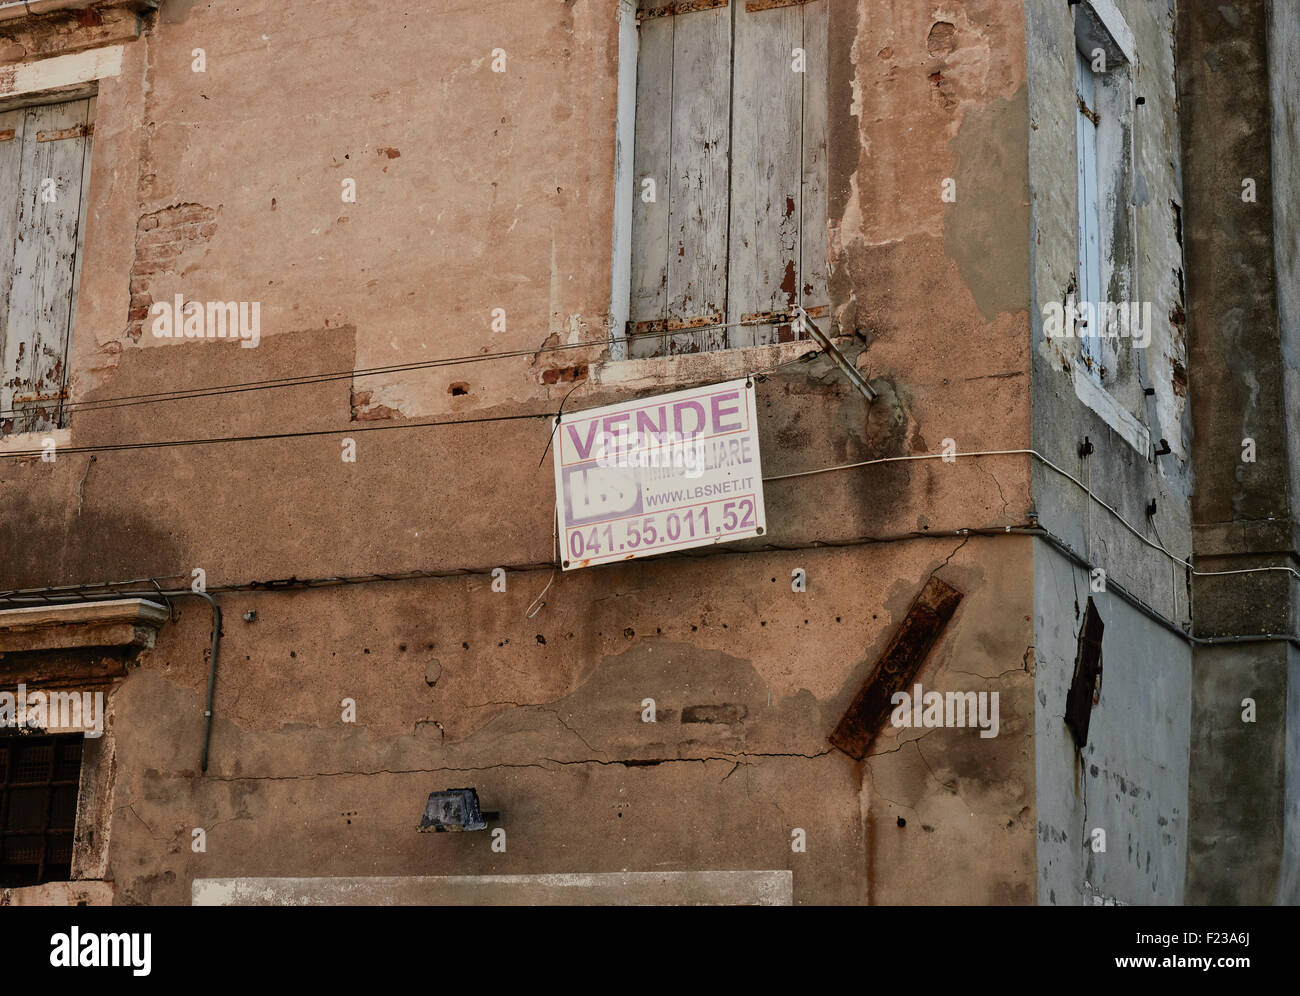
731,358
1100,24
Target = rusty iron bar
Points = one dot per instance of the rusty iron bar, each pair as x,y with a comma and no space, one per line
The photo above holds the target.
850,371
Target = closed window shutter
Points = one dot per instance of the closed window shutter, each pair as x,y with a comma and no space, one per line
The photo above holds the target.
734,140
41,233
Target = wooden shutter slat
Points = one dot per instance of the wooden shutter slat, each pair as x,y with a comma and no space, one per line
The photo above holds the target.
699,190
814,256
651,160
766,173
11,167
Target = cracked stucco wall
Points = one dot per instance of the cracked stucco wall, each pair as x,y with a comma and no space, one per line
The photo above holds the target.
1131,780
544,716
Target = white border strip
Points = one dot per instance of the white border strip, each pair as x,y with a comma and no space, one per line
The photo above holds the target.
668,888
60,71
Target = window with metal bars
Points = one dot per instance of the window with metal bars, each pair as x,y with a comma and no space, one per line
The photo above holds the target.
39,779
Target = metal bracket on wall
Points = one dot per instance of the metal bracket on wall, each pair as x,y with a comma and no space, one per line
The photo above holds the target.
850,371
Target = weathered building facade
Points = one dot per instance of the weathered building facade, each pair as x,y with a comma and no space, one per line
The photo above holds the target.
423,230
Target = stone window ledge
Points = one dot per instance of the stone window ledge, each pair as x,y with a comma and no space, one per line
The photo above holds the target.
90,893
121,622
10,9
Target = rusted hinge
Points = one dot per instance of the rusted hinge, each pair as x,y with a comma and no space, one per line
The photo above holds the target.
753,5
27,399
657,325
680,7
781,317
77,131
1087,111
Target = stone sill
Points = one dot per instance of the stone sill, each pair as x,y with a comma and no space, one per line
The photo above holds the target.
684,370
24,8
81,893
120,622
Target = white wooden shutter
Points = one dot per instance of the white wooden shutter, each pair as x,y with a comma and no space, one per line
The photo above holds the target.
41,232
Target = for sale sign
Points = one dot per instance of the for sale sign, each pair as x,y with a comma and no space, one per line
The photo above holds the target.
664,473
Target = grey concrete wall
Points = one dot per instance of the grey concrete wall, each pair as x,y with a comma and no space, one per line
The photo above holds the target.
1238,794
1242,275
1284,86
1131,779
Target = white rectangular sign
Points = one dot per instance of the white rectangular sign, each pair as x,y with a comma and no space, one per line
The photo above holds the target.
664,473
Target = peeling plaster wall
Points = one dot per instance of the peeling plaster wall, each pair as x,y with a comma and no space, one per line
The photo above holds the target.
479,190
453,686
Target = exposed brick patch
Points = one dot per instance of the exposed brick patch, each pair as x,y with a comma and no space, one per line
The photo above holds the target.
364,411
161,238
565,375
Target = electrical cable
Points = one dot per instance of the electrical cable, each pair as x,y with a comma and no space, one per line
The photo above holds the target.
299,380
63,594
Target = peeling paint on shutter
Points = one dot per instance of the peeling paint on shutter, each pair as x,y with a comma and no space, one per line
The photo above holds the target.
698,183
41,238
734,139
765,171
778,217
814,258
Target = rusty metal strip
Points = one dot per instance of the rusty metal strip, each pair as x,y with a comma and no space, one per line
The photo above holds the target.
680,7
896,668
36,398
78,131
756,5
658,325
703,322
1085,686
6,134
781,317
1087,111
